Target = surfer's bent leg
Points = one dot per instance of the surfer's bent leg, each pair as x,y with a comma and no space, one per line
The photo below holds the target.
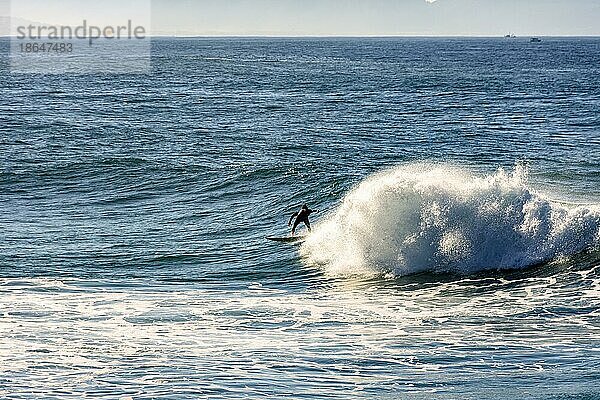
307,225
296,222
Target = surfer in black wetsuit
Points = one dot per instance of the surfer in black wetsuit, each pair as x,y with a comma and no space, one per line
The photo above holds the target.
301,216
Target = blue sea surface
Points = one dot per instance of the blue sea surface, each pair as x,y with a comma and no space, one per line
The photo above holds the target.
455,254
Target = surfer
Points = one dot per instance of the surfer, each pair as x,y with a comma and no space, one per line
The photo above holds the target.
301,216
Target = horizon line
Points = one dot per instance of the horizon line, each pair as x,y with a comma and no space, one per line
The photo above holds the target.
208,36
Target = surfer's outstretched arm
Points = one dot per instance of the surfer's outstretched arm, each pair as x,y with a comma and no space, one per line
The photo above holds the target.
292,217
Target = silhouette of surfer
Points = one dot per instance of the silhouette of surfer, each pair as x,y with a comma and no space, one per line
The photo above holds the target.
301,216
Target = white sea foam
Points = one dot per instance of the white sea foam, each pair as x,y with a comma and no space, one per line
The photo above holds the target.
428,217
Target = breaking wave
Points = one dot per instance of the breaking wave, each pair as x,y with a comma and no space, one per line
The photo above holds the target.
437,218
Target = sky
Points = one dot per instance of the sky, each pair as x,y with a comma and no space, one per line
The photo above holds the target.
329,17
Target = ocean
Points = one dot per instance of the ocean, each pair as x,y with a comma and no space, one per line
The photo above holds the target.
455,254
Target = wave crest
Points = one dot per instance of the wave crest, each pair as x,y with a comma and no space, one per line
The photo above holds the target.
437,218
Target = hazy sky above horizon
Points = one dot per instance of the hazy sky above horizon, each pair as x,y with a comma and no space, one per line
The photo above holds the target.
337,17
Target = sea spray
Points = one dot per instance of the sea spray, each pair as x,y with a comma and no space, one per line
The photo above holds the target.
438,218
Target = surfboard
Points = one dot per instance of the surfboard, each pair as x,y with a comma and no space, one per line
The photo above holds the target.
287,239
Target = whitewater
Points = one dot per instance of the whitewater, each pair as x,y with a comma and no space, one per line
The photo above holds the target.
439,218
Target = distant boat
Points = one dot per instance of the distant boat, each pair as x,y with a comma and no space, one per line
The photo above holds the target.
510,36
535,40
